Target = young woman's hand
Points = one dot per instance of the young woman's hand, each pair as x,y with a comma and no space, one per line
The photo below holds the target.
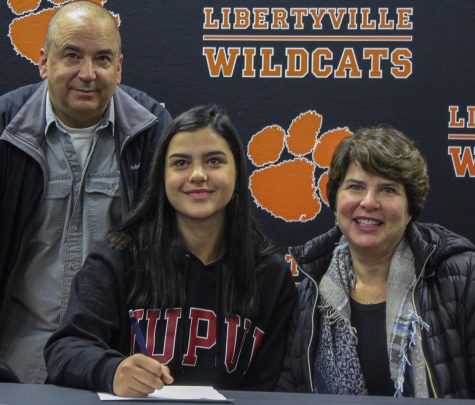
139,375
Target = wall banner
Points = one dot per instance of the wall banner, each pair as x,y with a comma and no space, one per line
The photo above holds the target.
296,78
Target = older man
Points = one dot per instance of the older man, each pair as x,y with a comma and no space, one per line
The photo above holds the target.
74,153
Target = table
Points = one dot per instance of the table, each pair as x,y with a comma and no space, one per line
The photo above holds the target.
36,394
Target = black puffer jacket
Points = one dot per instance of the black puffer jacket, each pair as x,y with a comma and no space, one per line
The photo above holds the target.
444,296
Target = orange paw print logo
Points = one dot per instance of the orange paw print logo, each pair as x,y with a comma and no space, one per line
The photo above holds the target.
27,32
288,189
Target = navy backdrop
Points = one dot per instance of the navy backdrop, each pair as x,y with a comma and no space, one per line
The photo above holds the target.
294,74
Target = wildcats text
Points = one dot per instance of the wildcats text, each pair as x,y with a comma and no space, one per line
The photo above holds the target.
298,42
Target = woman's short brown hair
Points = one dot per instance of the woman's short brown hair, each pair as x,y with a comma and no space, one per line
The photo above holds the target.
388,153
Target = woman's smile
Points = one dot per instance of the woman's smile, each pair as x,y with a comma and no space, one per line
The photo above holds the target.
198,194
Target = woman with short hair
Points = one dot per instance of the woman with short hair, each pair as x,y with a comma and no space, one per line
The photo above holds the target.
387,304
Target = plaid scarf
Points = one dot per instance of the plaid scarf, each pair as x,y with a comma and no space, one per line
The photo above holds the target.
337,368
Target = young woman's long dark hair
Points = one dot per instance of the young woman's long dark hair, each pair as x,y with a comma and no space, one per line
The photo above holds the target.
151,233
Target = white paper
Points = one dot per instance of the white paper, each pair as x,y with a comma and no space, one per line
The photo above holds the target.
173,392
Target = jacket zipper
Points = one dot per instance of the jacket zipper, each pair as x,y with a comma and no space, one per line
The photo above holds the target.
313,320
426,364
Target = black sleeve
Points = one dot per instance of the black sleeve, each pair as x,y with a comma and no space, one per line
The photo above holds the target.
93,337
7,375
296,375
469,325
278,295
21,186
286,380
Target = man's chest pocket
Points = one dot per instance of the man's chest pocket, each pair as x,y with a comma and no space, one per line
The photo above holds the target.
102,203
53,212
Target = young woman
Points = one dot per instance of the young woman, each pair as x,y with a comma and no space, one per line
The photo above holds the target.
210,295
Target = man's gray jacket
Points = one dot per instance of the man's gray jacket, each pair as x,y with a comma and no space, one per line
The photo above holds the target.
139,121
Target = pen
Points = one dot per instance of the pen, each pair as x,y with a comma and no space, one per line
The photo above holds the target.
138,333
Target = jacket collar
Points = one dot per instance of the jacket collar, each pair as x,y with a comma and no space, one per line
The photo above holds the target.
314,256
25,128
131,117
423,237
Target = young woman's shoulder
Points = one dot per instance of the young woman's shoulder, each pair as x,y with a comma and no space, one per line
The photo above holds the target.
106,257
